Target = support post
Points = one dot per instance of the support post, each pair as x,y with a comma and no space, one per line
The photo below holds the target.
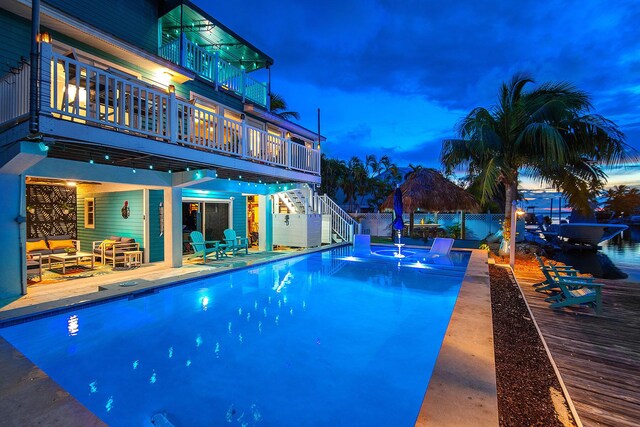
265,223
146,233
512,236
44,86
216,69
173,117
173,226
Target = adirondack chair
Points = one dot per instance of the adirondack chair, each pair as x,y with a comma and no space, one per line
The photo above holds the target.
572,294
361,245
234,243
203,248
565,273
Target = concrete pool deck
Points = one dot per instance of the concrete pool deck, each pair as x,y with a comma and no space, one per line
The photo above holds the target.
462,390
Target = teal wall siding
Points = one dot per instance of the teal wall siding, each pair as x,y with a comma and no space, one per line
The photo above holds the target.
133,21
14,40
156,241
239,206
108,217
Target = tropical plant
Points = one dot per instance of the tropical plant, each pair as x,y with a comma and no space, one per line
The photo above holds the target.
332,172
548,133
622,200
279,107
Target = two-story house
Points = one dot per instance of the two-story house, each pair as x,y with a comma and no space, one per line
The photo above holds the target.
146,119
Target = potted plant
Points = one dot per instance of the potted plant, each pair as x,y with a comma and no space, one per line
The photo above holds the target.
31,209
65,209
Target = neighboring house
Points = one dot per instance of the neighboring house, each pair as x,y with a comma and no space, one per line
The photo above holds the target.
152,121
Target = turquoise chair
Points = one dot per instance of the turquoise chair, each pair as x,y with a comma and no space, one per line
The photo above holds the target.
572,294
566,273
234,243
203,248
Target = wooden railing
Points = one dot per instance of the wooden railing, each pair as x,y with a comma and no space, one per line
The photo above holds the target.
14,95
342,224
75,91
210,66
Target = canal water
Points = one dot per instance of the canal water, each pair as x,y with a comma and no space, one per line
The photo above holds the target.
619,258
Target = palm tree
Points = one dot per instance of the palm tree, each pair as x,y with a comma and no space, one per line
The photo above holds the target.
332,173
548,133
278,106
622,200
414,169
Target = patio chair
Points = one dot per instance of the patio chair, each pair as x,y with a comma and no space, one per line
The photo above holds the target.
235,243
573,294
203,248
562,273
361,245
34,265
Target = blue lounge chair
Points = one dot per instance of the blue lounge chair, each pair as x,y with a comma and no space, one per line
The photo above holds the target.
573,294
441,246
203,248
235,243
361,245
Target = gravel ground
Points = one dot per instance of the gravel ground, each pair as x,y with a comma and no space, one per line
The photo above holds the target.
529,393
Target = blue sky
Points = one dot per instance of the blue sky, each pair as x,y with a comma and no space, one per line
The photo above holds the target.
393,77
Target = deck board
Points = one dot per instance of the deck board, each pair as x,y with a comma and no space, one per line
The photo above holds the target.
598,356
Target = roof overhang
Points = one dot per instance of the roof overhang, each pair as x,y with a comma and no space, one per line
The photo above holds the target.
56,20
285,124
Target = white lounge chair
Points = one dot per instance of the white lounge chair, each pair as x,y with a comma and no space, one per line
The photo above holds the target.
441,246
361,245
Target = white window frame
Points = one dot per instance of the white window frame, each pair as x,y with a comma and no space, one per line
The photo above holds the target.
87,201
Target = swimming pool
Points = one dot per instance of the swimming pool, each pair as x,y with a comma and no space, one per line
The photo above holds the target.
321,339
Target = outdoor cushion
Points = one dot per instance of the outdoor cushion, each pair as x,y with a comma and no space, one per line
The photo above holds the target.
36,246
60,244
119,253
115,238
108,243
60,237
127,240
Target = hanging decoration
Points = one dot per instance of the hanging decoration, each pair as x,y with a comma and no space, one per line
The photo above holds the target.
125,210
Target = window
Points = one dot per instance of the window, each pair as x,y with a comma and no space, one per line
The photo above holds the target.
89,212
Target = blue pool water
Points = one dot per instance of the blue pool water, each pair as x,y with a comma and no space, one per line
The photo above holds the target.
324,339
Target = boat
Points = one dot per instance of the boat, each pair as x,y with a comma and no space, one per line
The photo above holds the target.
583,230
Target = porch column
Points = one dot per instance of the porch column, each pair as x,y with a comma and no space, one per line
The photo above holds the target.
265,224
173,226
146,238
12,238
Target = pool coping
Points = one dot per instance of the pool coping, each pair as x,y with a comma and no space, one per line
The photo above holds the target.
462,390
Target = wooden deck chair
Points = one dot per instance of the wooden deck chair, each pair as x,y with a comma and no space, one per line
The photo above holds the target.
564,273
235,243
571,294
203,248
361,245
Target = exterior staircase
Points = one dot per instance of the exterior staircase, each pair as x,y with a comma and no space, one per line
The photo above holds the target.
299,201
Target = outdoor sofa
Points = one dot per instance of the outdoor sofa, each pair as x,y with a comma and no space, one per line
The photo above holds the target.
113,249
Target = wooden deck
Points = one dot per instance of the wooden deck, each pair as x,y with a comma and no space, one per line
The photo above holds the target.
598,356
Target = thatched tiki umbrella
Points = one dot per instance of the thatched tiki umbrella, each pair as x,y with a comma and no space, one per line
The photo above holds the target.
427,190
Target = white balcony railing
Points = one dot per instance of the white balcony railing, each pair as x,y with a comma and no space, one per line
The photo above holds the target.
14,94
76,91
213,68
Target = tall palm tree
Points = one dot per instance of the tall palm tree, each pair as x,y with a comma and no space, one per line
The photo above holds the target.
279,107
547,133
332,173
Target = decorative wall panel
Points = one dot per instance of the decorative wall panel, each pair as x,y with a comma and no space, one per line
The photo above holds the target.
51,210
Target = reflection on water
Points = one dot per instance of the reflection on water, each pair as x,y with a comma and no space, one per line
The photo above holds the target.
619,258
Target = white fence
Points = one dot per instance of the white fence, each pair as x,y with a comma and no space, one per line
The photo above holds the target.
14,94
477,226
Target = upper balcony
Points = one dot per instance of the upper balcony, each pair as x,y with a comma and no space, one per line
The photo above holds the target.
196,41
72,91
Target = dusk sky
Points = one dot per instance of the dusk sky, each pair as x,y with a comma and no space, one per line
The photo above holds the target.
393,77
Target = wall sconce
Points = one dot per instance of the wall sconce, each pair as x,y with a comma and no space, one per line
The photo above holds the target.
43,37
172,89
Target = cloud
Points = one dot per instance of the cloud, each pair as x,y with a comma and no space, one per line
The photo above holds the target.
448,56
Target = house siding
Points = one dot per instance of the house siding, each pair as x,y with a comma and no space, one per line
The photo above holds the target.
14,40
133,21
108,217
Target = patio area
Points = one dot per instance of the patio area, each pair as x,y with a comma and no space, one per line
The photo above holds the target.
73,287
597,356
